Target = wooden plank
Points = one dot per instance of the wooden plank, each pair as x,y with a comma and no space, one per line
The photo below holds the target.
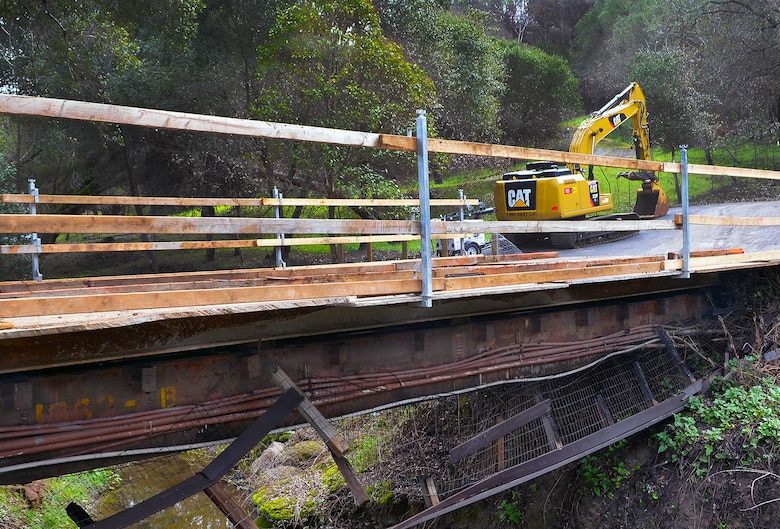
326,432
44,306
404,143
481,269
549,226
365,202
117,200
708,253
482,440
544,276
715,170
10,249
111,224
430,494
709,220
225,503
723,261
164,119
203,284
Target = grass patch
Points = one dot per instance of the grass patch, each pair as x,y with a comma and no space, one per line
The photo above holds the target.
49,510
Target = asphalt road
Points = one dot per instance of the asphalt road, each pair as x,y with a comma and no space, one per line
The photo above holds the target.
749,238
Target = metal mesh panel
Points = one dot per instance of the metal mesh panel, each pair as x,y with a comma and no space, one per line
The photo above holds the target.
581,403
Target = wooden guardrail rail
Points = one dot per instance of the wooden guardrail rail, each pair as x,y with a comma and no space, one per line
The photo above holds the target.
144,117
253,229
266,232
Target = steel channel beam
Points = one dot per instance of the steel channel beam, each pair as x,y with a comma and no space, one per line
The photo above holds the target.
147,384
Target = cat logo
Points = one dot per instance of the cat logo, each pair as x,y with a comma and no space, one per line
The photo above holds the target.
616,120
520,195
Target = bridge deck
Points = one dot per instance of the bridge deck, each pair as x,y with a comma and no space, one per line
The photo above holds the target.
64,305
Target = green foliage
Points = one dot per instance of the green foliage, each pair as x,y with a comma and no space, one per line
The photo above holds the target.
540,92
80,488
305,451
332,478
327,63
382,492
468,70
605,471
366,454
511,511
461,56
747,411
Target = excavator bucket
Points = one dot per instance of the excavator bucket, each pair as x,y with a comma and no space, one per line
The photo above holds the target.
651,201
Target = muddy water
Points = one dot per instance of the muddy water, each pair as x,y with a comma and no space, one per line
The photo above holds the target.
143,480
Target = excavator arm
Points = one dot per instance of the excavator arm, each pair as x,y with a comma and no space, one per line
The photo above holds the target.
627,105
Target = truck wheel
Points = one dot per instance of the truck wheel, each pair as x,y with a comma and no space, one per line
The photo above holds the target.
471,249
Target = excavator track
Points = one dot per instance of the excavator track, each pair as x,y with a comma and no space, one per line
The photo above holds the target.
570,240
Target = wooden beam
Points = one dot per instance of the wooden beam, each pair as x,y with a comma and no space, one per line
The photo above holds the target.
112,224
43,306
544,276
106,224
196,245
484,439
430,494
225,503
326,432
405,143
549,226
164,119
116,200
709,220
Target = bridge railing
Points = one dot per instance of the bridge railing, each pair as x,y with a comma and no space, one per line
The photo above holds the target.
255,231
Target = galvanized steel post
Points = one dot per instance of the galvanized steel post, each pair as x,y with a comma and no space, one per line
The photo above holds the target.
426,259
686,249
34,239
278,214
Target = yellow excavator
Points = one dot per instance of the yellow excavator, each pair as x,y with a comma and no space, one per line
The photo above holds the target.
546,191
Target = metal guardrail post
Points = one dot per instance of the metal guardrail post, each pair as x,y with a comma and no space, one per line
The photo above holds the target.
34,239
426,260
278,214
686,249
462,197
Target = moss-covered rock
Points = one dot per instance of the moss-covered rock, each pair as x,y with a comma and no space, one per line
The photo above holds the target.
303,452
294,495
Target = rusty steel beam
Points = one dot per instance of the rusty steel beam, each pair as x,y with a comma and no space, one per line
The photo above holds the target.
148,402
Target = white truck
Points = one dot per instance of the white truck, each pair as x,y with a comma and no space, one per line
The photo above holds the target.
471,244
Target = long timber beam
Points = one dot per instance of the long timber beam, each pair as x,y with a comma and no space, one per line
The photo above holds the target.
144,117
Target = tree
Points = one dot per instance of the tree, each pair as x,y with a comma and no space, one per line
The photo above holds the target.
460,54
328,64
552,23
540,92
